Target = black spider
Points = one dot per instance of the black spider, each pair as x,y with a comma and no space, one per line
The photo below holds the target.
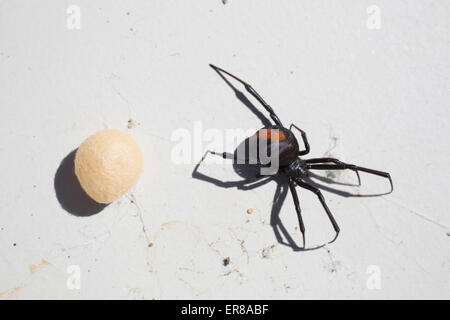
289,161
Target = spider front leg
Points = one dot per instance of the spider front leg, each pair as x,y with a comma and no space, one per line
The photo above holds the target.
322,201
297,208
304,138
253,92
324,160
339,165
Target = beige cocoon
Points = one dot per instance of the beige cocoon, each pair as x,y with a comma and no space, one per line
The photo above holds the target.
108,164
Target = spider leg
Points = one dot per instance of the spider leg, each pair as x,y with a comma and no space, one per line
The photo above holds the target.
324,160
297,208
230,156
339,165
253,92
225,155
322,201
304,138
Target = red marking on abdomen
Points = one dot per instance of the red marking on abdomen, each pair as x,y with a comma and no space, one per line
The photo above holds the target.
267,134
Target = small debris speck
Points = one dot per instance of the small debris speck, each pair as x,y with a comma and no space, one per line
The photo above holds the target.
224,1
132,123
266,251
250,211
14,244
448,234
150,244
226,261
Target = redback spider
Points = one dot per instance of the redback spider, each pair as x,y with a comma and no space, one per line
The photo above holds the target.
289,162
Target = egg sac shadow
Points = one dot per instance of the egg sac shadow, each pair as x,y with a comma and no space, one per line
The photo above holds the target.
69,193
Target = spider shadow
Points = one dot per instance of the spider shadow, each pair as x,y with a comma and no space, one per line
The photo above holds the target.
69,192
248,172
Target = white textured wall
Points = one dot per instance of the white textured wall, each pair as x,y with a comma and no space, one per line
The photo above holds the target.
381,94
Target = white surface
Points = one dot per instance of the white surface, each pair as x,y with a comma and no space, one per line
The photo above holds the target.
383,94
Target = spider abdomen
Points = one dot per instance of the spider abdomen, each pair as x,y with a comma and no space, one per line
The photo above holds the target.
279,139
